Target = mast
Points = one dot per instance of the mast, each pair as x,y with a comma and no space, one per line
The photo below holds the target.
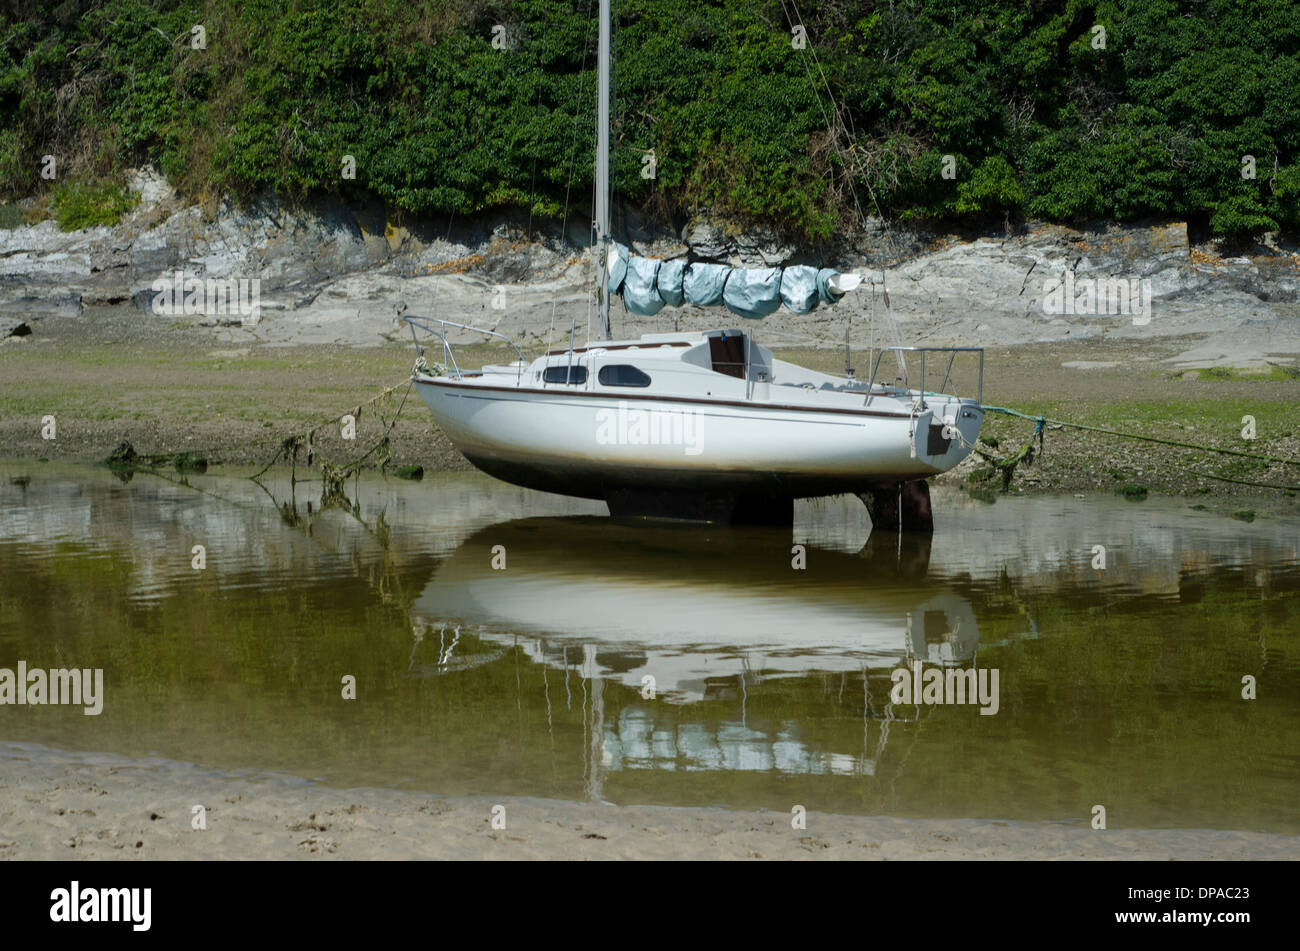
602,175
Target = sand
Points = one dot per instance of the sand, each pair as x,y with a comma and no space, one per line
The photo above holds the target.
67,805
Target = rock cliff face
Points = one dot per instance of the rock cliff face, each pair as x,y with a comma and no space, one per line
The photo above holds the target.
337,274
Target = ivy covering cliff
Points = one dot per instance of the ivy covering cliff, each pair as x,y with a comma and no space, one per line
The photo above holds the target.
1187,109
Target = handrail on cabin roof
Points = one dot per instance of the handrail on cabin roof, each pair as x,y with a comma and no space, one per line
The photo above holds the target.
425,324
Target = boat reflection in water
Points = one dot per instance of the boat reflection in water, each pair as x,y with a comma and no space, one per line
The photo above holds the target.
696,618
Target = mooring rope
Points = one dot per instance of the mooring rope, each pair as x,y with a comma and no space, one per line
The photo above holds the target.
1262,485
1007,466
294,441
1058,423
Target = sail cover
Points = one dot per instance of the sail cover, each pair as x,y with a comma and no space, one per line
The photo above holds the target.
647,284
640,292
670,282
703,284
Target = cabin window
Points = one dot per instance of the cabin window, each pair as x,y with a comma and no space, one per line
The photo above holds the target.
565,374
727,352
622,374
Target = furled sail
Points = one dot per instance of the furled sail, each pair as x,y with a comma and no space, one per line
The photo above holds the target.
647,284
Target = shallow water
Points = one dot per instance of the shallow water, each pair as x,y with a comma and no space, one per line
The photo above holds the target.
666,663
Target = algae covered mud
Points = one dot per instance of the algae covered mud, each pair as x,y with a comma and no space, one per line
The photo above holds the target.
107,378
1034,661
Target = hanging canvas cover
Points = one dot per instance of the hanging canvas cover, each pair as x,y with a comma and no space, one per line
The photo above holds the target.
640,293
703,284
647,284
670,282
799,288
618,257
753,292
824,291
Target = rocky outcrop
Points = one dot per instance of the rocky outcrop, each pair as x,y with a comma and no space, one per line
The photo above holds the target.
333,273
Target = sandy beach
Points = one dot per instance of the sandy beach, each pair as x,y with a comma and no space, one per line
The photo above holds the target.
63,805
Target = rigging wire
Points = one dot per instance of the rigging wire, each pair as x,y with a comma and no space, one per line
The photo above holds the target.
613,151
845,121
568,186
532,184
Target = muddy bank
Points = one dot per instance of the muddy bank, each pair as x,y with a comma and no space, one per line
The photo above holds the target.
111,377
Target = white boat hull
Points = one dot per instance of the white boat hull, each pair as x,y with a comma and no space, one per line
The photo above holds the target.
588,443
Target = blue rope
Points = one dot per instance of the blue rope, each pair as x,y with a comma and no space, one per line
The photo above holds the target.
1040,420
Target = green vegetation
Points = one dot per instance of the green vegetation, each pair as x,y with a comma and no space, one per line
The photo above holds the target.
124,458
78,205
1038,118
11,216
1274,372
190,462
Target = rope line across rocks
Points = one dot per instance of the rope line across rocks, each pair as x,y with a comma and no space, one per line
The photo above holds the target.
1007,465
333,475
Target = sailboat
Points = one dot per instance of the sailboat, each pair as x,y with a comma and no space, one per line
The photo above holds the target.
705,425
694,613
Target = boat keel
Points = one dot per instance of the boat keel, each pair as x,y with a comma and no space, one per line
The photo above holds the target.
725,508
900,507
